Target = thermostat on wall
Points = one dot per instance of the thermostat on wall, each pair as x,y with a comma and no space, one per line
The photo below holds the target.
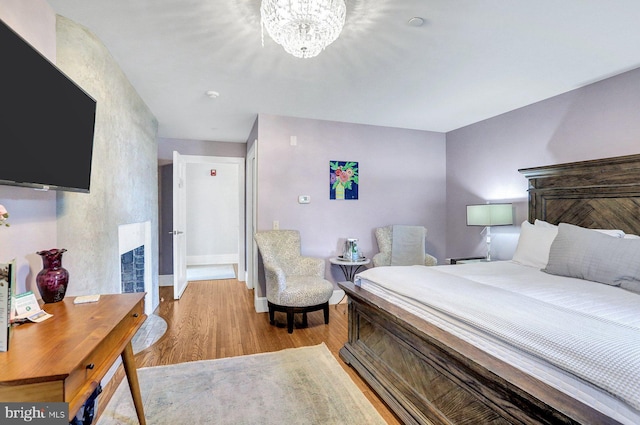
304,199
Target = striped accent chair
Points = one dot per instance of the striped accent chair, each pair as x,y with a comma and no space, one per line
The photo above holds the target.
384,237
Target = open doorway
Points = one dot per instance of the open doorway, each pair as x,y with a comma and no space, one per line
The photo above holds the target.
214,218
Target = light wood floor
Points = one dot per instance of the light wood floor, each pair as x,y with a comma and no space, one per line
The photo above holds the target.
216,319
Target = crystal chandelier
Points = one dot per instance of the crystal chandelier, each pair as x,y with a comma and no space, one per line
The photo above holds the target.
303,27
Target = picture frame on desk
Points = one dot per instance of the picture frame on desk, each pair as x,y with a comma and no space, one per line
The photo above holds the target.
7,285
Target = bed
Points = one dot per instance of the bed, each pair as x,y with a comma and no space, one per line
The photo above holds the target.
434,368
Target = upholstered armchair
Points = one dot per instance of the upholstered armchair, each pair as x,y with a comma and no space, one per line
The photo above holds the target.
408,243
295,284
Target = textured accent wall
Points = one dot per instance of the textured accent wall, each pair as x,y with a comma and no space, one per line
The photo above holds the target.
124,176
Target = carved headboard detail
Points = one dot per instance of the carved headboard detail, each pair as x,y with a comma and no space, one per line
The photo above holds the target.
602,193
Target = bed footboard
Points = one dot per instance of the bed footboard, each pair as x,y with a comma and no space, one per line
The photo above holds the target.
428,376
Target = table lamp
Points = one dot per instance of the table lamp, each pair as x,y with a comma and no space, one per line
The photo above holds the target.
488,215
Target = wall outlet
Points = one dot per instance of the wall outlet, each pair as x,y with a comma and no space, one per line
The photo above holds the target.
304,199
276,225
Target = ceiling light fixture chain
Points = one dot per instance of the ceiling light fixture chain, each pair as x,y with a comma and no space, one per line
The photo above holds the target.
303,27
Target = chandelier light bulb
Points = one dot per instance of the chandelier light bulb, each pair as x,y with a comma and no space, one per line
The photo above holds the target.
303,27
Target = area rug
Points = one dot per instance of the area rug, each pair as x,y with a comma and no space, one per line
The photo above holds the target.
211,272
294,386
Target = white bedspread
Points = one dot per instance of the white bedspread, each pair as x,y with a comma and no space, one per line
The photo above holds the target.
587,329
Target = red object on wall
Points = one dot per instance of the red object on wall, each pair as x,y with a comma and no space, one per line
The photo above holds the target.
213,173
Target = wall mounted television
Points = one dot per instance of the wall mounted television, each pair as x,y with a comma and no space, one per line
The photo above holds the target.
47,121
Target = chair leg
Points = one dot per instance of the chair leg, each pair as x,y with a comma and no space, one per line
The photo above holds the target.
272,313
290,320
291,311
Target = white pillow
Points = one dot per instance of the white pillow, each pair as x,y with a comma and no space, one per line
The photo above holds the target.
611,232
544,224
577,252
534,245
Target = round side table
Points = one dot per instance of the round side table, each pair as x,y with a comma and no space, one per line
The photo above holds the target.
350,268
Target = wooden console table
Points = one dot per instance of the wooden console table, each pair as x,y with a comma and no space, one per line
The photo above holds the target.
64,358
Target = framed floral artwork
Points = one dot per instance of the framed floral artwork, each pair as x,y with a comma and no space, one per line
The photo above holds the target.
343,180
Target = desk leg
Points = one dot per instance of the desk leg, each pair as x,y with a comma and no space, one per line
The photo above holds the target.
129,362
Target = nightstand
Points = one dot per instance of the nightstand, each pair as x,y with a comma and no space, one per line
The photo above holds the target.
350,268
467,260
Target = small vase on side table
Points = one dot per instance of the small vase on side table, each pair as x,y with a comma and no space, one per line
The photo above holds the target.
52,280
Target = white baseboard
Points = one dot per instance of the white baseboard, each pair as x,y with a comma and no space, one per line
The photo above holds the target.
198,260
260,304
246,279
165,280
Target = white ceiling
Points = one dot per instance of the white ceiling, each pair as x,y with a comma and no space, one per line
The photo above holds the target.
471,60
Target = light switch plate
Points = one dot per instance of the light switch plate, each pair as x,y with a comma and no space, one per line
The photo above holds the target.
304,199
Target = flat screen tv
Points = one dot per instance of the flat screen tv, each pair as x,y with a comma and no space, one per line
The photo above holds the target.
46,121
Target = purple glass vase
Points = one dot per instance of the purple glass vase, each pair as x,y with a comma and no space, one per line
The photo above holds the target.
52,280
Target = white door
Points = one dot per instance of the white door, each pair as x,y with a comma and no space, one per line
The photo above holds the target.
179,226
250,219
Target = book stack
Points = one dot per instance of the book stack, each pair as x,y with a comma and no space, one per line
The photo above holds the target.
7,284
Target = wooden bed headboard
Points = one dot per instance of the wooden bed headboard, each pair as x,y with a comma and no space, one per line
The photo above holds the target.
602,193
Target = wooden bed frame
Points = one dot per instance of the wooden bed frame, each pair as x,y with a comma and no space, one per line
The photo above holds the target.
428,376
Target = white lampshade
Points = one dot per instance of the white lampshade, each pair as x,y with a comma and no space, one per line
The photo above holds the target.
489,215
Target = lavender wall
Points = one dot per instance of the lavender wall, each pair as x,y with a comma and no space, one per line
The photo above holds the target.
402,181
165,218
32,213
596,121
